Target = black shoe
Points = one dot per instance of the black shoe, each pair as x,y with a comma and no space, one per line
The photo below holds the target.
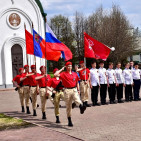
82,108
114,102
111,102
120,101
43,115
70,122
57,119
73,105
23,109
37,105
34,113
96,104
27,110
86,104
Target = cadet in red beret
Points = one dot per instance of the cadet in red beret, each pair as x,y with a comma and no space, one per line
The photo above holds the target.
71,85
43,79
25,82
33,88
84,83
57,91
17,83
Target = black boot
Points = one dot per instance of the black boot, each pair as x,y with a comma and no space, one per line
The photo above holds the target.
73,105
34,113
23,109
82,108
27,110
70,122
44,115
57,119
87,105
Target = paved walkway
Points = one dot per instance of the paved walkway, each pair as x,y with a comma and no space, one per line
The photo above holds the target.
118,122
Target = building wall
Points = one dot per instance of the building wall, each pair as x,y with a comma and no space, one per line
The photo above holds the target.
28,12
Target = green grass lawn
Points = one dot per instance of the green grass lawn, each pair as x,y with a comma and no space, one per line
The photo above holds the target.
7,122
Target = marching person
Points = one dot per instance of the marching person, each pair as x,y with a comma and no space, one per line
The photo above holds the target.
43,79
128,83
120,81
16,81
58,93
71,85
94,84
84,83
111,83
33,88
26,91
136,74
103,83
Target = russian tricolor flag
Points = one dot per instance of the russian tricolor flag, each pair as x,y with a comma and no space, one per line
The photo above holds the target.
53,43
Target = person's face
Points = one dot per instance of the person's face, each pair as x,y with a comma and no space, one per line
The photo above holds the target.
69,67
136,66
118,65
82,65
131,64
33,70
94,65
101,65
21,71
127,66
111,66
43,70
26,69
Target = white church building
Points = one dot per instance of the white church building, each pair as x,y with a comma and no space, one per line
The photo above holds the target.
13,15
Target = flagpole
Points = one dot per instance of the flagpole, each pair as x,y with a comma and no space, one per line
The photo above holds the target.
25,43
46,62
33,44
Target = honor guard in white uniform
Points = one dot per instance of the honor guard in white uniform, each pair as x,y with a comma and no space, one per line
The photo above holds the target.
95,84
128,83
111,83
103,83
120,81
136,74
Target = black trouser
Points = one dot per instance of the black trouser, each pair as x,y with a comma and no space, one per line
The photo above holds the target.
103,92
94,94
128,92
119,91
112,92
136,88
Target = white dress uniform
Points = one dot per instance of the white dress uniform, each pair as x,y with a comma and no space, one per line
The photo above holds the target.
120,81
128,80
111,81
103,85
136,74
94,77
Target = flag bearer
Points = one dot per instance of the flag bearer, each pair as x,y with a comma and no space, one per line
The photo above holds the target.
128,83
120,81
84,83
71,85
111,83
136,74
17,83
58,93
33,88
94,79
103,83
43,79
26,91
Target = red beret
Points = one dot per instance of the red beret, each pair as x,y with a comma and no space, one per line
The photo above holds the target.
33,66
68,63
42,67
26,66
56,69
81,62
20,69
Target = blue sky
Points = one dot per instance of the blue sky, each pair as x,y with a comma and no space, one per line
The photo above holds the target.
131,8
